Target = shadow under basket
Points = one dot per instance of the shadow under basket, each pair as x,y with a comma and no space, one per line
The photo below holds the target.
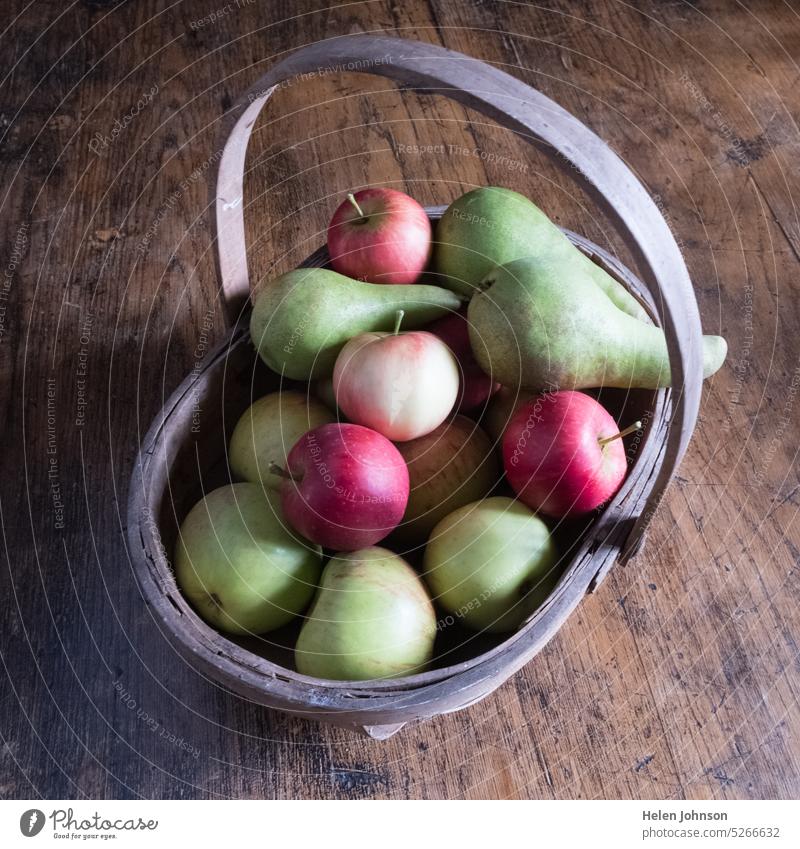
184,454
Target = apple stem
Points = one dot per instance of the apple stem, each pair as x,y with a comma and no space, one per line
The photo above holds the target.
275,469
630,429
398,319
352,198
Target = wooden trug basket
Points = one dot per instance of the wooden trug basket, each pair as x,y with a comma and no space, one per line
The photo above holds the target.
184,453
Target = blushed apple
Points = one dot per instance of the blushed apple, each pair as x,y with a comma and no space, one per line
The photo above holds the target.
563,454
381,236
451,466
403,385
345,486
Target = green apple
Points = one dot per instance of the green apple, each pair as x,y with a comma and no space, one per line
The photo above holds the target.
239,564
451,466
372,618
491,564
267,432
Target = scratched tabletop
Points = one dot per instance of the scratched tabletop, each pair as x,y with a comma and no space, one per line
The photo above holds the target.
679,677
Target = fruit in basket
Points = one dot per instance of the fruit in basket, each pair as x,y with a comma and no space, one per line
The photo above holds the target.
493,226
491,564
267,431
240,566
401,384
452,466
344,486
535,326
476,385
500,410
563,454
380,235
302,319
372,618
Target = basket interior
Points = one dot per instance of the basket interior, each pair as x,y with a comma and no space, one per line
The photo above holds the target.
197,464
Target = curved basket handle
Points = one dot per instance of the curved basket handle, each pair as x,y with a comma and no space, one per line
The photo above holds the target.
516,106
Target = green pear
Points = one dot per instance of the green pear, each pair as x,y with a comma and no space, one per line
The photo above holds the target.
451,466
491,226
302,319
240,565
267,432
491,564
529,327
372,618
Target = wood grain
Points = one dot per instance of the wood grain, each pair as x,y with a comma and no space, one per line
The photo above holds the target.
679,678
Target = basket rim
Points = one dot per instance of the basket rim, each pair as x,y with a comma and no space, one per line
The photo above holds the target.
227,661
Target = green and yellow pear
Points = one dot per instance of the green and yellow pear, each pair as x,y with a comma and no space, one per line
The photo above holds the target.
491,564
240,565
302,319
533,327
371,619
492,226
268,430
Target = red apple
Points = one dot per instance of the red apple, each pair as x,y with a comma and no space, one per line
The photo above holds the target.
561,454
345,486
476,385
403,385
381,236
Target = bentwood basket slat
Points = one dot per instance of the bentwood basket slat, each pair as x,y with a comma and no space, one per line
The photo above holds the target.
184,453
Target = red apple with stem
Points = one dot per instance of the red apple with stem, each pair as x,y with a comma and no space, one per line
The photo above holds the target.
345,486
403,385
476,385
563,454
380,236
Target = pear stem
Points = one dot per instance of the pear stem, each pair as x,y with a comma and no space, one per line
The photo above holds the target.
487,281
630,429
352,198
275,469
398,319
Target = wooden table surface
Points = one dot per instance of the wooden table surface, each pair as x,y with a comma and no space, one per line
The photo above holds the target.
679,678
